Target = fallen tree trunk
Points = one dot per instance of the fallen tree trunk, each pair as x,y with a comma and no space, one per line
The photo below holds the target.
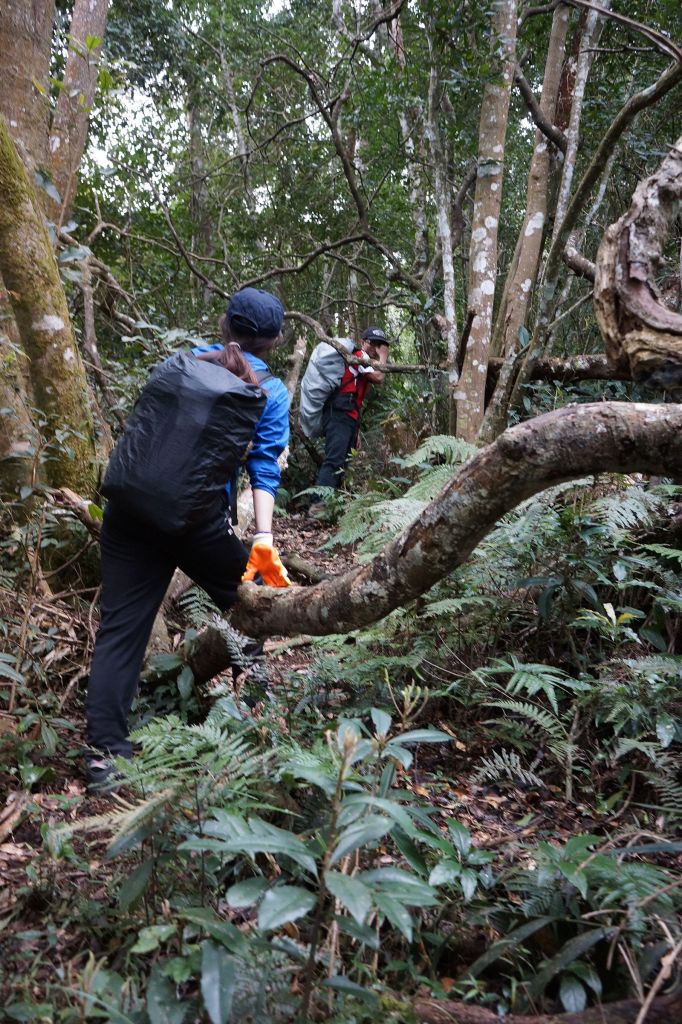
667,1010
607,437
567,369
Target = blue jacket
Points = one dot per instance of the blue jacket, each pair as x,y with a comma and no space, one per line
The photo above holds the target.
271,435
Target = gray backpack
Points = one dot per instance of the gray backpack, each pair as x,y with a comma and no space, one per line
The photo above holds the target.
322,377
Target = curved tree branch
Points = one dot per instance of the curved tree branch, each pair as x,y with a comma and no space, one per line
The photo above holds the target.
551,449
548,129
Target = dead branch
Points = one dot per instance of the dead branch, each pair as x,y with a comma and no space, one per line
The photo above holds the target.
549,130
578,263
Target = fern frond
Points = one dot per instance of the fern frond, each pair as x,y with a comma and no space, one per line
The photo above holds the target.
505,764
442,446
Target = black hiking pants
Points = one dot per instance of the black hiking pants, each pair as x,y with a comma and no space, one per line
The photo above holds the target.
138,562
340,435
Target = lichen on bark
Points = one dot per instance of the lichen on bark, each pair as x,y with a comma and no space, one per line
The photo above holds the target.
29,270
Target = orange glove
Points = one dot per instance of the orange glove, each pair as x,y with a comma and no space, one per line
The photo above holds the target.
265,560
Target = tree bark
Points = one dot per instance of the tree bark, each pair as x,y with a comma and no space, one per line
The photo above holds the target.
470,394
29,271
670,78
641,334
25,45
439,163
69,131
25,41
667,1010
560,446
519,289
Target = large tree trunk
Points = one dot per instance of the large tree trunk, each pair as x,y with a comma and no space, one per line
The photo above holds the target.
29,271
667,1010
69,131
617,437
25,46
25,42
519,288
470,394
641,334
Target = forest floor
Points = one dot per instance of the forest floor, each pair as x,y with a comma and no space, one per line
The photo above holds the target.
34,932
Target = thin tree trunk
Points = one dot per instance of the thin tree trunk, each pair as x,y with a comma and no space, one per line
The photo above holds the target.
470,394
589,38
29,270
441,189
626,115
69,131
519,288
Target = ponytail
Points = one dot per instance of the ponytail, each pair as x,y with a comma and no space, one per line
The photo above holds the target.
231,356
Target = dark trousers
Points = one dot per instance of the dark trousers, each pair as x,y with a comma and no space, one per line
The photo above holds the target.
138,562
340,435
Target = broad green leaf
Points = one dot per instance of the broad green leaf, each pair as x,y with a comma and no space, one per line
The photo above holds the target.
422,736
163,1005
135,884
513,939
218,976
382,721
665,730
362,932
396,913
342,984
570,951
283,904
353,894
204,919
245,894
445,872
468,880
368,829
461,837
185,682
572,994
151,938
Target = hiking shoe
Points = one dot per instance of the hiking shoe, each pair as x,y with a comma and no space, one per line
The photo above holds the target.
101,773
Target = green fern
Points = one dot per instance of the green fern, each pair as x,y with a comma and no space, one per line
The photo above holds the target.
506,765
440,446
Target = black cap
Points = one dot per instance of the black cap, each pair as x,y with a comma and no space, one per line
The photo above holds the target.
376,335
254,311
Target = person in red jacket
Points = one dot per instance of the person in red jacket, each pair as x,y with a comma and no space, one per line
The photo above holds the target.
341,414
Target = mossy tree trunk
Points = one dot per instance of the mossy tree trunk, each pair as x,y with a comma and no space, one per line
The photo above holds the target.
29,271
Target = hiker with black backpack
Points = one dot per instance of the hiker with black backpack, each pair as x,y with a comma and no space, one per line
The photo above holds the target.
169,507
332,394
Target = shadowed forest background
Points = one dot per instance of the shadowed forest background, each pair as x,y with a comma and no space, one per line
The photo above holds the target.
452,790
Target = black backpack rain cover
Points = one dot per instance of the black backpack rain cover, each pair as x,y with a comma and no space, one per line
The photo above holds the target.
183,442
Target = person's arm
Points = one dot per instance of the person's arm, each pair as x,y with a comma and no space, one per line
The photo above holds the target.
375,376
269,440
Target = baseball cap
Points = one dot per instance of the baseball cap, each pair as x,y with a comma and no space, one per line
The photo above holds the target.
254,311
376,335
